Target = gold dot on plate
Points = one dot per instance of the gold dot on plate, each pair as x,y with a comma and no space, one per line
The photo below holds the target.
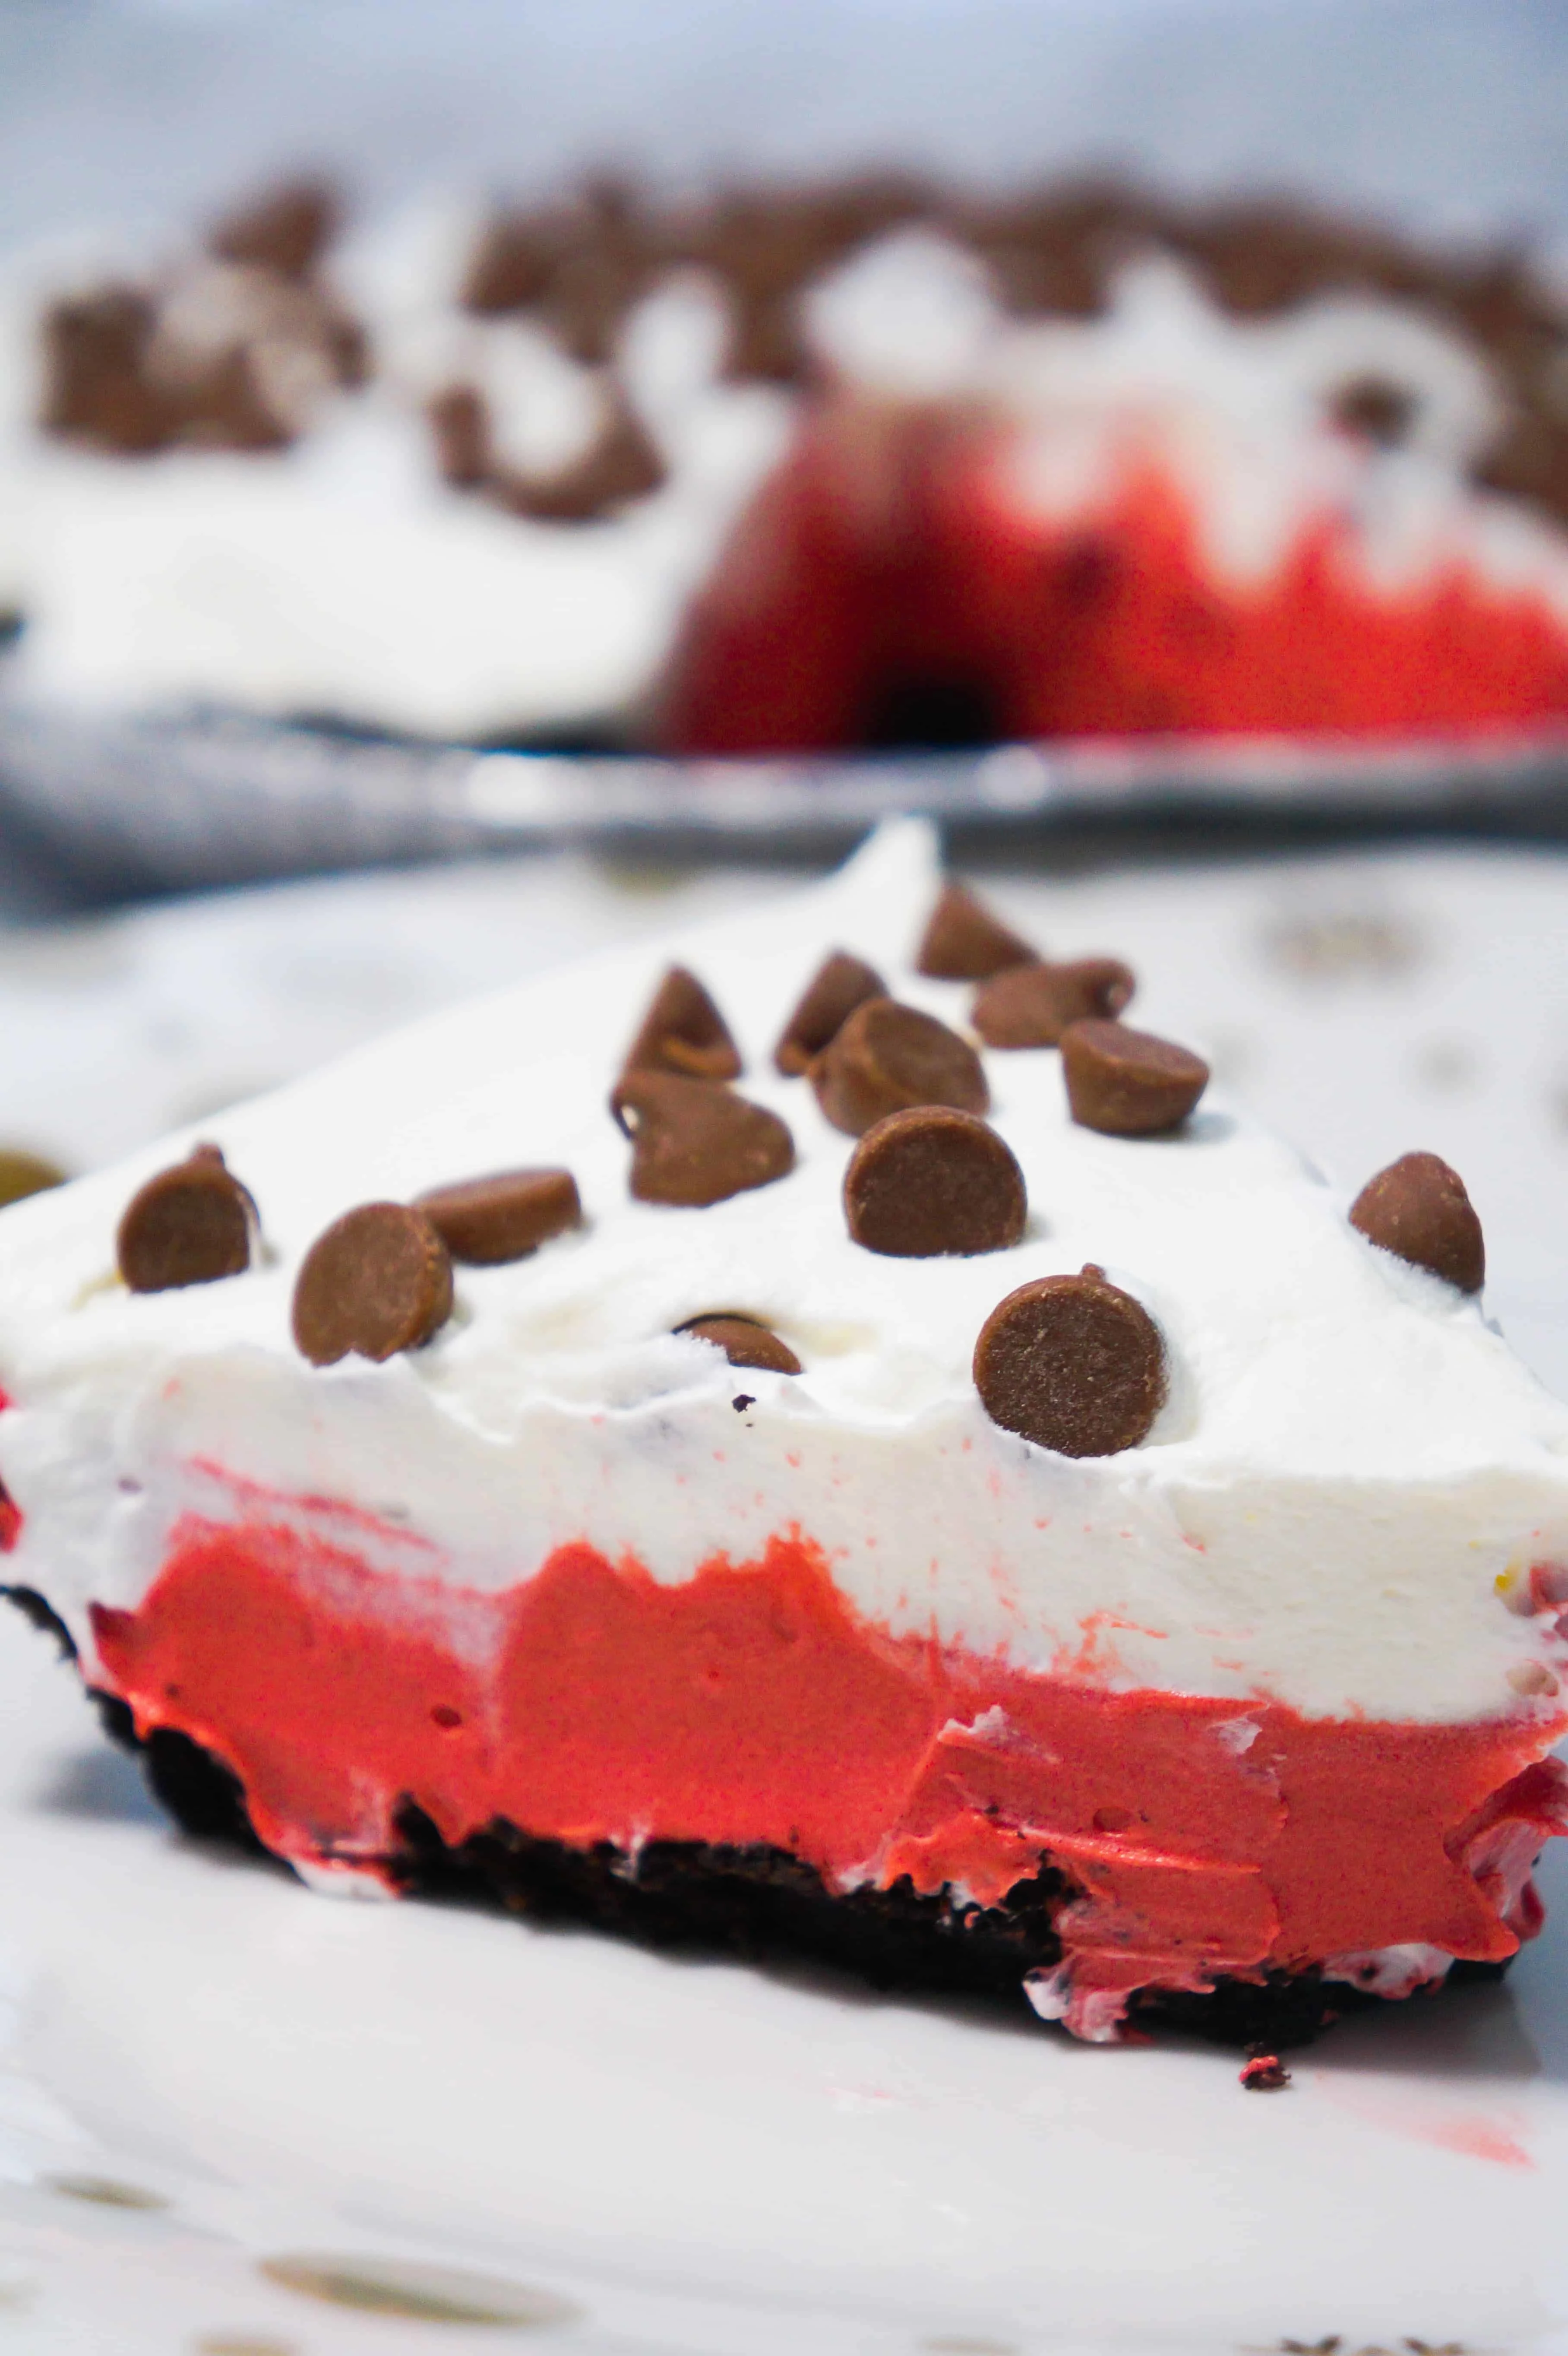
1343,945
23,1173
426,2294
107,2191
1446,1065
226,2343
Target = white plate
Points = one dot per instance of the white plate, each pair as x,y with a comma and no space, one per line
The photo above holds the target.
700,2157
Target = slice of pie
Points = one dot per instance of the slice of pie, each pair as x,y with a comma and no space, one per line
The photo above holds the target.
826,1434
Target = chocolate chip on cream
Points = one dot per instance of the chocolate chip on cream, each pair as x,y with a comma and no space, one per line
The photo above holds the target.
1128,1082
286,230
1418,1209
695,1142
1073,1363
504,1217
683,1031
932,1180
841,983
964,942
192,1224
621,463
1031,1005
376,1281
887,1057
745,1340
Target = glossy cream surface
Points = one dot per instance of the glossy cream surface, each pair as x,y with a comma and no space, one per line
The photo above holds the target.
1349,1474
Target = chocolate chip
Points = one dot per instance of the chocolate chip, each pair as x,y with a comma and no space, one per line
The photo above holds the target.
1375,410
23,1173
484,1221
460,426
1031,1005
1418,1209
1072,1363
96,387
746,1342
510,266
964,942
191,1225
931,1181
287,230
378,1280
695,1142
622,464
841,983
886,1058
589,297
225,408
684,1031
1127,1083
765,342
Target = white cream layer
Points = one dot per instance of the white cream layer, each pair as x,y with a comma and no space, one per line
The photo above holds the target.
1349,1462
343,577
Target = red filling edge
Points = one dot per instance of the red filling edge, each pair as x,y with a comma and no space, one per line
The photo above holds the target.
313,1651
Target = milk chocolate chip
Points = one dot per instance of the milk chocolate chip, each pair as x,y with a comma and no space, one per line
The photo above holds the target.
1031,1005
1418,1208
842,982
287,229
378,1280
484,1221
964,942
931,1181
191,1225
886,1058
1376,410
96,386
460,426
696,1142
684,1031
745,1340
1127,1083
1072,1363
622,464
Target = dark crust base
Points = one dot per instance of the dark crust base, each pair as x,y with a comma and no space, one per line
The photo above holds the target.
761,1904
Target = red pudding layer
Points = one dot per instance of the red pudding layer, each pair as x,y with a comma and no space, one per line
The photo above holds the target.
889,551
319,1656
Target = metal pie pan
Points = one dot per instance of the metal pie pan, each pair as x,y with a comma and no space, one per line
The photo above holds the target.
181,800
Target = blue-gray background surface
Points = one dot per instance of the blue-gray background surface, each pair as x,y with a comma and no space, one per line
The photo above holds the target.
1453,113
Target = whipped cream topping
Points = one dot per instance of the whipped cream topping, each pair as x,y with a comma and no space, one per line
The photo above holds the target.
343,577
1350,1478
